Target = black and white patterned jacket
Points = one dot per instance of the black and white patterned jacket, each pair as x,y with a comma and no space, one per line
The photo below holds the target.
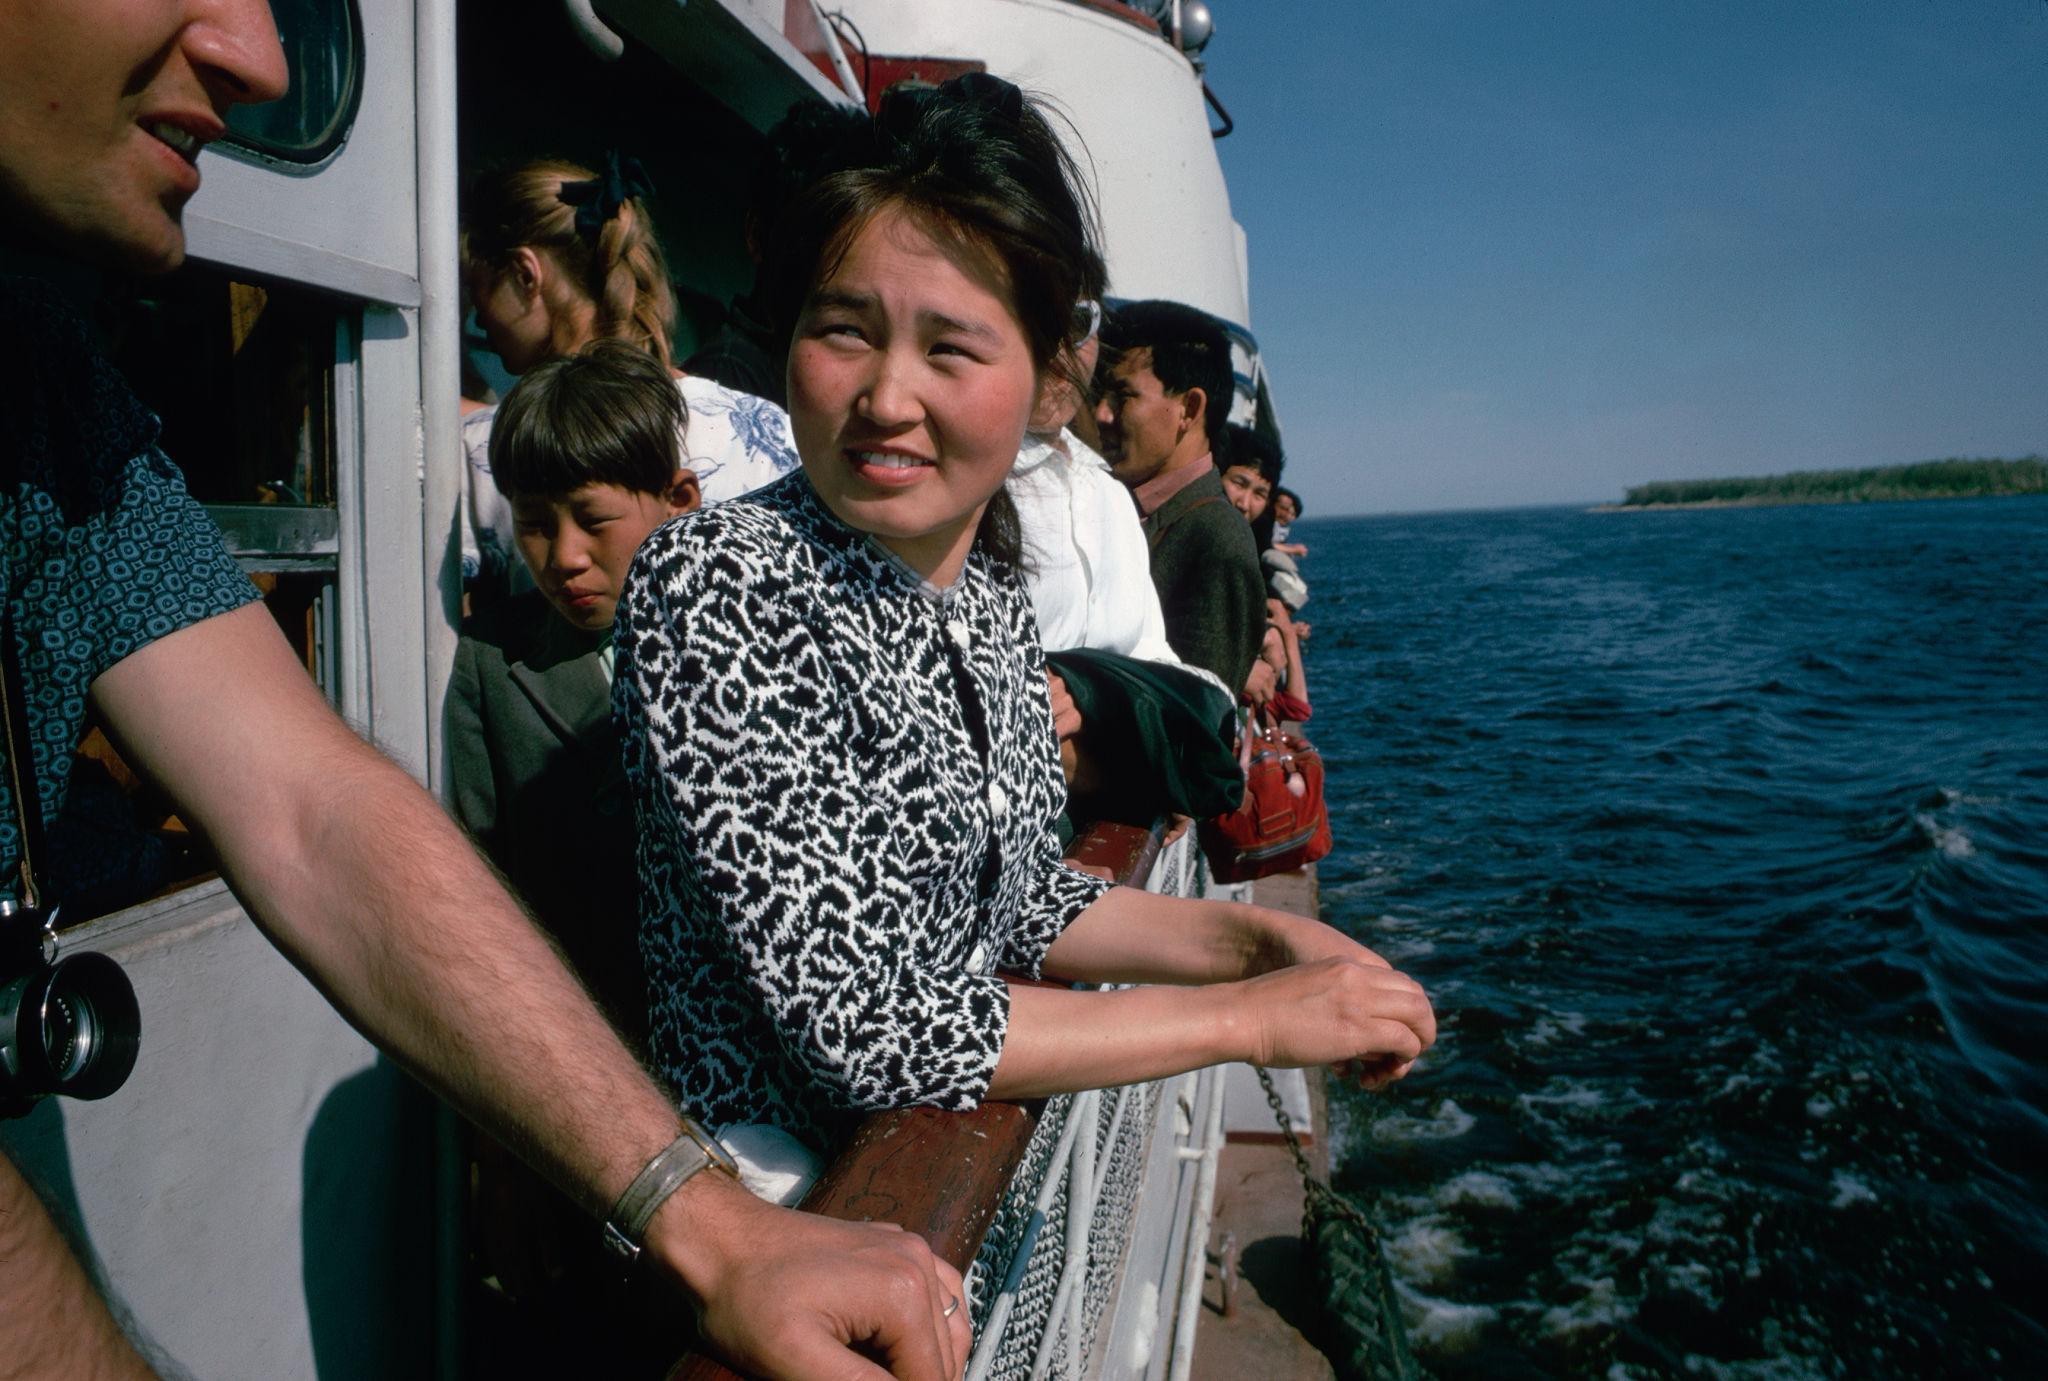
846,783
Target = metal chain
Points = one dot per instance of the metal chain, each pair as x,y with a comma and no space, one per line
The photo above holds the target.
1316,1193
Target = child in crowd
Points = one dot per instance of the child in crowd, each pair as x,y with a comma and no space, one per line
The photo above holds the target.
1286,512
1250,466
585,453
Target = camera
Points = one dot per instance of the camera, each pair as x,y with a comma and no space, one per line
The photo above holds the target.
68,1026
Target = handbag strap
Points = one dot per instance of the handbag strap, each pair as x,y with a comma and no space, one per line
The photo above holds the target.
21,771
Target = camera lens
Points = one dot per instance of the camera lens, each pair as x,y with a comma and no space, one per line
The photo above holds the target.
67,1035
72,1027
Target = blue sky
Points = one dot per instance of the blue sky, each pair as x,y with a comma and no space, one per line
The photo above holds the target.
1519,253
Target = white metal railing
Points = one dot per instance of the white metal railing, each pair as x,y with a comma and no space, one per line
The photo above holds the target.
1102,1214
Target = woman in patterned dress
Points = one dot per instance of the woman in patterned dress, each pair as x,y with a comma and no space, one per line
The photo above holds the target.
838,728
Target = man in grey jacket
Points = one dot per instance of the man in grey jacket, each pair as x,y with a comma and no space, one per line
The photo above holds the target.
1162,413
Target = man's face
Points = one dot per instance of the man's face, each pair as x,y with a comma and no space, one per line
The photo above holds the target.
1142,425
1248,491
104,107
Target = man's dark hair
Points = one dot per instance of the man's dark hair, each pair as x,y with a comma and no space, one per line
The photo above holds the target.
611,414
1298,509
1243,446
1189,349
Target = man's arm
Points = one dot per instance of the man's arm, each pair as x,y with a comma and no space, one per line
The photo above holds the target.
358,877
52,1322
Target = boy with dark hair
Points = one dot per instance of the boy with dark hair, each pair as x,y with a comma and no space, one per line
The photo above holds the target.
585,448
1250,467
1164,403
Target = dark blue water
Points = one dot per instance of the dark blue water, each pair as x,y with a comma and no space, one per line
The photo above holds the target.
1721,840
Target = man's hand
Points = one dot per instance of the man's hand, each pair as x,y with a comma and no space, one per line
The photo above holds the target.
1261,683
1066,720
784,1294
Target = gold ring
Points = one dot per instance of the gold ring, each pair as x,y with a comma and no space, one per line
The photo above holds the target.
952,1307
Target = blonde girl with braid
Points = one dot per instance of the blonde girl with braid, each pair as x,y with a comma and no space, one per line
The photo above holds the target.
556,256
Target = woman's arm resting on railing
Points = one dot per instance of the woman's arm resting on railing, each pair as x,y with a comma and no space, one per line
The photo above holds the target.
1329,1012
1132,936
1280,990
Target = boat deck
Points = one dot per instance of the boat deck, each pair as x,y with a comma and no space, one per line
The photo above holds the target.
1255,1327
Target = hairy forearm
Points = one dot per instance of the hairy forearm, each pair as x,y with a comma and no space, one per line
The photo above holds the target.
370,890
357,875
1061,1041
52,1321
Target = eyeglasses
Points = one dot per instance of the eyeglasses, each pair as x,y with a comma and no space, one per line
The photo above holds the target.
1087,320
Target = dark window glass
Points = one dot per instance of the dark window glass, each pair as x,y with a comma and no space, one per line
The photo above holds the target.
242,376
323,47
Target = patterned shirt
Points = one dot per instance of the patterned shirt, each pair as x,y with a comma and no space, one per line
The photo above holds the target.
733,442
101,549
846,782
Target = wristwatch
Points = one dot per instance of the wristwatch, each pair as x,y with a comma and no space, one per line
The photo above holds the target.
693,1151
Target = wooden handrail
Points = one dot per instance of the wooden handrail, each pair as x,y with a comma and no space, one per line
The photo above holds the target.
939,1174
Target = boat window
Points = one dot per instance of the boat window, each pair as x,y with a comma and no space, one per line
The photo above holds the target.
242,375
323,47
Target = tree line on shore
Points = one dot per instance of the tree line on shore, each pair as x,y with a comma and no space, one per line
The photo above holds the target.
1931,479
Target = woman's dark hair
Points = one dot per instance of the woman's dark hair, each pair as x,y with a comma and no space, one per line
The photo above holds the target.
977,164
610,414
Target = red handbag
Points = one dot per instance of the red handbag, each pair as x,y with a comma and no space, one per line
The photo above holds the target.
1282,823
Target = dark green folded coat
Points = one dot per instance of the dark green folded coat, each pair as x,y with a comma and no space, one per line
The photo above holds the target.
1162,737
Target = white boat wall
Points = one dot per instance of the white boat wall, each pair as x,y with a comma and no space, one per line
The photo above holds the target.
1135,103
267,1197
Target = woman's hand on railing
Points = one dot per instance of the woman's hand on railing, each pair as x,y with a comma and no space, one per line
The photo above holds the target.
1365,1019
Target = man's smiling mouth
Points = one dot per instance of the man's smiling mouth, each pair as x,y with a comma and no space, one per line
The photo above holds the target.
181,141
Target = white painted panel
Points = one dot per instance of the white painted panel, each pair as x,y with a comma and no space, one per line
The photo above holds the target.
358,208
1137,105
389,569
255,1193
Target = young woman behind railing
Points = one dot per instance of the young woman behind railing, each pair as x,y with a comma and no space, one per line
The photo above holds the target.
835,704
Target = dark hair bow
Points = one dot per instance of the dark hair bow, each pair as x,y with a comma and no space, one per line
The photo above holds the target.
903,105
998,95
598,199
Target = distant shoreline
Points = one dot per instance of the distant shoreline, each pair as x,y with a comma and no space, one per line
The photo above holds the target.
1763,502
1934,479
